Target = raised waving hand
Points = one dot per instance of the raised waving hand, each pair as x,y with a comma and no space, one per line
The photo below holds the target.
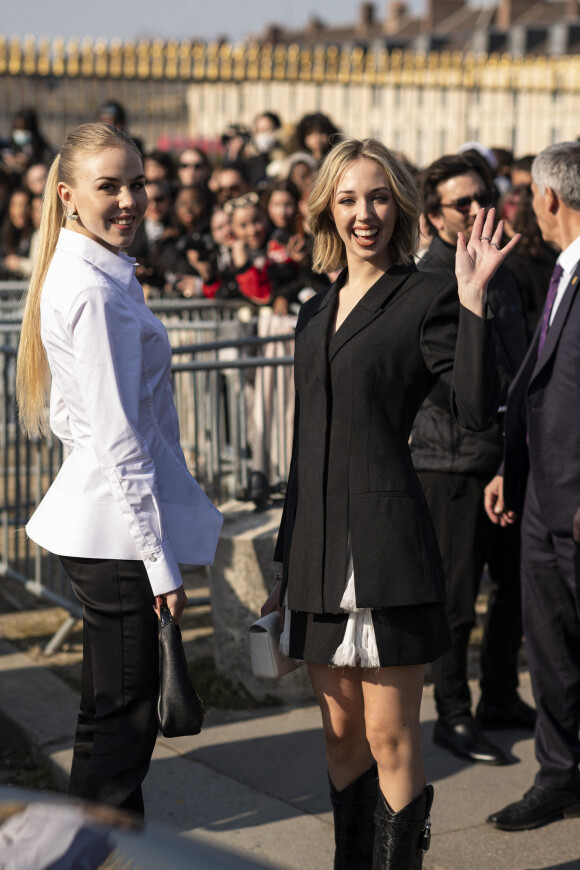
476,261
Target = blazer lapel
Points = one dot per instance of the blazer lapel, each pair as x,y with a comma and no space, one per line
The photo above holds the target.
315,333
369,307
556,327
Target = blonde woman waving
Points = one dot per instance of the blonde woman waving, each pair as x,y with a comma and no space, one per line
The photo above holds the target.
362,578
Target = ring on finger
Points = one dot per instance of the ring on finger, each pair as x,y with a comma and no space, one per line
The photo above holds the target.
485,238
496,245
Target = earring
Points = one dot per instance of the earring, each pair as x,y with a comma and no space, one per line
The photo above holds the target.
71,214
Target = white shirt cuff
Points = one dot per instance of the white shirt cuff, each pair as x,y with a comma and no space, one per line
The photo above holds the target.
163,570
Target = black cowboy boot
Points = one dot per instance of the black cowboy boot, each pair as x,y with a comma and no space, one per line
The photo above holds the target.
402,838
354,826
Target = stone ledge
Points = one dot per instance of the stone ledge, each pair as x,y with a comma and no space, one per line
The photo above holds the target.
240,582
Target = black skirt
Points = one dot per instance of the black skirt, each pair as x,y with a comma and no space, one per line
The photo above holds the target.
411,635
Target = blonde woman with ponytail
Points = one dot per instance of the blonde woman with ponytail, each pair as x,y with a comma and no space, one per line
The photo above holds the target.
124,510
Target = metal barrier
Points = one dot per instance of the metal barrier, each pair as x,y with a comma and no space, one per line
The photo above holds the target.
11,304
12,289
169,308
28,466
223,391
235,410
198,309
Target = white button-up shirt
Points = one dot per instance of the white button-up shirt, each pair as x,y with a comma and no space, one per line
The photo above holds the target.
124,492
568,260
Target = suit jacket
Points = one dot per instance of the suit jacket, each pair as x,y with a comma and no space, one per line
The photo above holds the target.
357,394
544,408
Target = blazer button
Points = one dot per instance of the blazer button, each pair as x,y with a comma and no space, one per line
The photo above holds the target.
152,557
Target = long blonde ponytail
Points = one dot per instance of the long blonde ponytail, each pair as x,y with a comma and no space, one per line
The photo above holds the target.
32,371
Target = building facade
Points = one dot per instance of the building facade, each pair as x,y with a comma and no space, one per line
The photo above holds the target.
419,103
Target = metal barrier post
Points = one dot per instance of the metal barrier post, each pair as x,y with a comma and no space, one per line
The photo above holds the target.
38,499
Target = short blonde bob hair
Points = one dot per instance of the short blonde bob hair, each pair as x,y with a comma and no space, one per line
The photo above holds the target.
329,251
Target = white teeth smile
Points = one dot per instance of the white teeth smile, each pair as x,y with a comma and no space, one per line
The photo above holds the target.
123,222
365,234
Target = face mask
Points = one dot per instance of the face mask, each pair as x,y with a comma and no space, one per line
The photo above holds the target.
264,142
21,137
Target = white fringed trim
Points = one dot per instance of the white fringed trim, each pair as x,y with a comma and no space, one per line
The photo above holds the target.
348,602
359,645
284,645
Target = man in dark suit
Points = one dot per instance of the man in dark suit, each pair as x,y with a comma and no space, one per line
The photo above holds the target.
454,465
540,480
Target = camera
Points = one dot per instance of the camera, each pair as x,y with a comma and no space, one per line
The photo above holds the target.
204,245
236,130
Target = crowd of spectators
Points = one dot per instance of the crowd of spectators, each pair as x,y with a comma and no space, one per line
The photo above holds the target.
236,227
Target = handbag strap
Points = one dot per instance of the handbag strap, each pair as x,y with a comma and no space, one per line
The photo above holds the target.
165,618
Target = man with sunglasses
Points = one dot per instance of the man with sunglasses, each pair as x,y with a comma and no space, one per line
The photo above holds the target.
230,182
192,167
454,466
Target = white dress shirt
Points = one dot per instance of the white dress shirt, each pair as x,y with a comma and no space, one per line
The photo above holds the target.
568,260
124,492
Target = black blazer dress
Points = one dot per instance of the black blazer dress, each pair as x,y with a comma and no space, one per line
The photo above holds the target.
351,473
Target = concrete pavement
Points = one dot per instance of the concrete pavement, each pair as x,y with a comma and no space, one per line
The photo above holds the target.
255,781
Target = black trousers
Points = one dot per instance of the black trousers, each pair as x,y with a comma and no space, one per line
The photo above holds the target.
467,540
551,606
117,724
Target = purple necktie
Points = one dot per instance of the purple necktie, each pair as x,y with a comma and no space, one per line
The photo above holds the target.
552,290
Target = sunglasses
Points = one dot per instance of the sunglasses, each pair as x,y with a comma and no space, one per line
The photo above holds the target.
191,165
463,204
188,205
241,202
230,192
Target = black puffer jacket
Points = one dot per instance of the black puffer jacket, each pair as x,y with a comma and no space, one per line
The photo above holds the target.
437,442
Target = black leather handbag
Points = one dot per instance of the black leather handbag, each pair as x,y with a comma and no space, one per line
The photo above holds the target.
179,709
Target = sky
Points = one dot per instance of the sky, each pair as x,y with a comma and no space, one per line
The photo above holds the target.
173,19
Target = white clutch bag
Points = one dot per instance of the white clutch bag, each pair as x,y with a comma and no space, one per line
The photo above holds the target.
264,639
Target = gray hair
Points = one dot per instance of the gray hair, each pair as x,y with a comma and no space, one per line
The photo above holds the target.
558,167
